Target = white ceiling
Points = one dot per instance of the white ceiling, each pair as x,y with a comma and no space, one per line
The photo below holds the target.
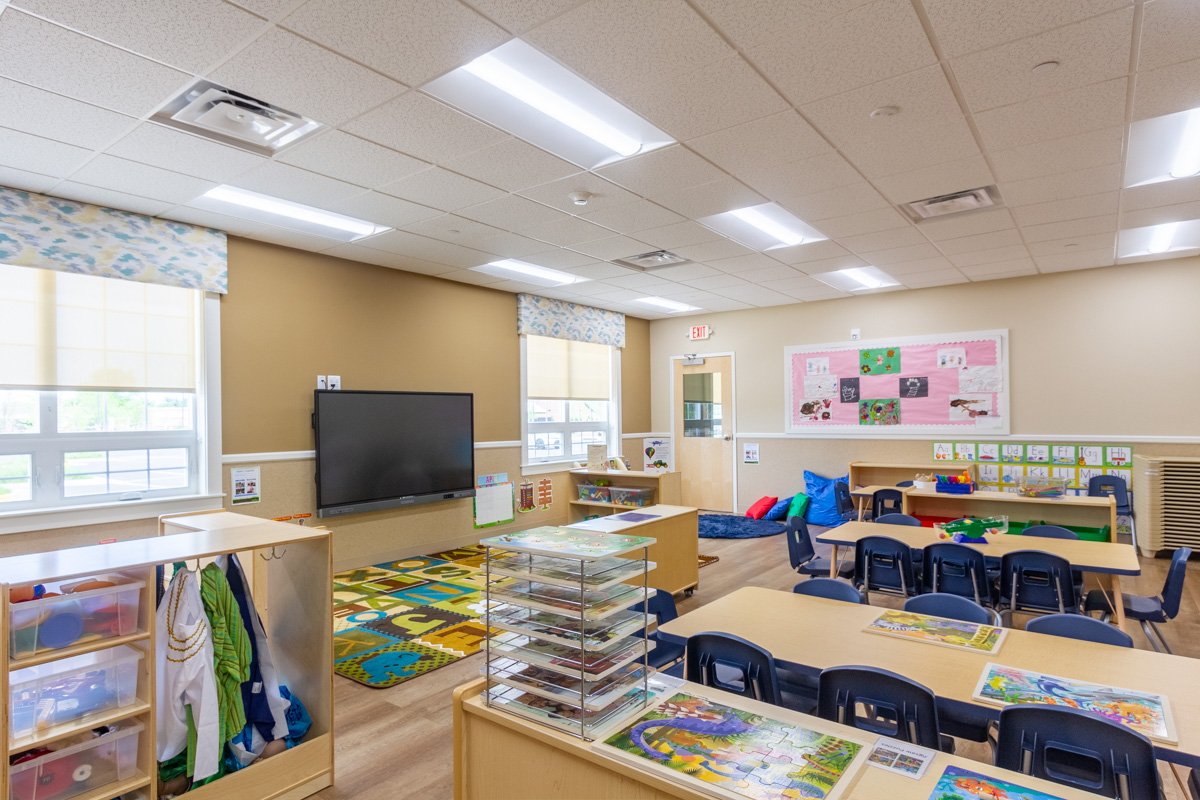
769,99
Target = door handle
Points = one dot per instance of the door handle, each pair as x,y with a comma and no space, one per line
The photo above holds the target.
727,437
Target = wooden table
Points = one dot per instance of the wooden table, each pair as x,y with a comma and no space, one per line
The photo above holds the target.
867,493
499,756
1106,558
1093,512
678,533
817,633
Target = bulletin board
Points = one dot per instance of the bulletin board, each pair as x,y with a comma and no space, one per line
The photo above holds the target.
951,384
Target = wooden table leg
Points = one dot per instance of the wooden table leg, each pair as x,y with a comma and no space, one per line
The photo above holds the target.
1118,601
862,508
833,563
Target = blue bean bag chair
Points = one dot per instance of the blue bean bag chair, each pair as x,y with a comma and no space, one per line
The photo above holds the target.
822,506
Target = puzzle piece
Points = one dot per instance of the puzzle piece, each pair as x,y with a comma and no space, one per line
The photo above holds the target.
362,575
359,640
393,664
462,639
442,572
432,592
415,622
411,563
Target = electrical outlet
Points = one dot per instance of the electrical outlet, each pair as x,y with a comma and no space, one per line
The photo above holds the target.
855,334
321,384
335,382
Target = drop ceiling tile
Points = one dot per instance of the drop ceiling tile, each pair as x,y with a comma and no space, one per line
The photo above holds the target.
941,277
285,238
881,154
174,150
745,263
750,22
452,228
405,263
349,158
567,230
288,71
1184,190
996,219
118,174
1021,273
831,264
661,171
36,52
512,213
604,194
999,269
632,217
27,181
759,296
1043,119
52,116
810,251
512,165
882,240
560,258
590,288
881,219
295,184
710,98
601,271
842,201
818,293
619,295
722,304
681,234
1074,244
713,251
425,128
519,16
794,283
471,277
382,209
412,42
1092,50
442,189
1069,154
989,256
1063,185
964,26
1073,261
1167,90
754,148
798,178
1073,227
642,282
1072,208
1170,33
918,265
106,198
864,45
613,247
922,97
940,179
980,241
165,32
35,154
895,255
707,199
408,244
511,245
716,282
620,45
686,272
674,290
776,273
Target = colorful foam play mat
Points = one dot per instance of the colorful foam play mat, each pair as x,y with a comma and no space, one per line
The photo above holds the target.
395,621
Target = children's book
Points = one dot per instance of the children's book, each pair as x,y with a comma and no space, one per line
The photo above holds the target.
935,630
732,753
957,783
1148,714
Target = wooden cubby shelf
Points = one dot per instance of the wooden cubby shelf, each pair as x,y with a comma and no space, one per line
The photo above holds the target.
56,732
94,646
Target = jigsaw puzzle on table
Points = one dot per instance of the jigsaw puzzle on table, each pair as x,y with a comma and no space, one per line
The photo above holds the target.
960,784
735,753
395,621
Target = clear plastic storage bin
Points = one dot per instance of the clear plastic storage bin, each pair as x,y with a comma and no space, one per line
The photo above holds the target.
629,496
1042,487
79,765
65,690
595,494
75,617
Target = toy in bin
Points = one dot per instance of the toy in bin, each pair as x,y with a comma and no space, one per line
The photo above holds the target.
972,531
954,484
598,491
84,764
51,618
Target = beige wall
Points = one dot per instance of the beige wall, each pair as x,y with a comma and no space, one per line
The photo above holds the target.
1096,354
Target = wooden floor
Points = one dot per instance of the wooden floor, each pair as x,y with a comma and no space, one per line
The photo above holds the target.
396,743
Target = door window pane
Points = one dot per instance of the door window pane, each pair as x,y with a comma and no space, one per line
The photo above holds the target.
702,411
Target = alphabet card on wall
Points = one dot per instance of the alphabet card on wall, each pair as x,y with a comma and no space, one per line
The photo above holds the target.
1062,454
964,451
1012,453
988,451
989,474
943,451
1090,456
1118,456
1037,454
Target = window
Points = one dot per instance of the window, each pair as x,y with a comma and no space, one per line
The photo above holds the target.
569,390
98,390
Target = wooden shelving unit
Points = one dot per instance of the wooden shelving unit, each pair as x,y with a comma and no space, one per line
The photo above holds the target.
870,473
665,486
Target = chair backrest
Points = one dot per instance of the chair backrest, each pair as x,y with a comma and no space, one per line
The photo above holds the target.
661,606
1173,588
709,650
800,547
1049,532
1105,485
1077,626
904,484
904,709
886,501
829,588
1077,748
950,606
1031,580
899,519
952,568
883,564
841,496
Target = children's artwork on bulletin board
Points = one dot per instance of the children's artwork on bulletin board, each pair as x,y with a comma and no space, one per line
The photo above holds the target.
1091,456
1012,453
1062,454
1118,456
919,379
988,451
964,451
1037,454
943,451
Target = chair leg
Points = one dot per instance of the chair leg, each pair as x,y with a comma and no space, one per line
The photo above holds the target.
1158,631
1151,637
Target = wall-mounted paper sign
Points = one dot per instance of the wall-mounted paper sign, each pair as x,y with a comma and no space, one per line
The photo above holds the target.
914,387
750,452
247,485
849,390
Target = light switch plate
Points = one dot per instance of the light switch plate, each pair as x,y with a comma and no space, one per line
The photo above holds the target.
321,384
855,334
335,382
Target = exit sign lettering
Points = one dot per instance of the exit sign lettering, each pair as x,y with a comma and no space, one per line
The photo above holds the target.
699,332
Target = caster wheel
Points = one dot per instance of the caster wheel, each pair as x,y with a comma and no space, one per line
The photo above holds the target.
689,592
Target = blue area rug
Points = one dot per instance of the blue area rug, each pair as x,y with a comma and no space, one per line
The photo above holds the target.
723,526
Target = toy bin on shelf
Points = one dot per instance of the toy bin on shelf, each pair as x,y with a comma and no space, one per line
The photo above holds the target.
955,488
79,765
595,494
631,496
65,690
75,615
1042,487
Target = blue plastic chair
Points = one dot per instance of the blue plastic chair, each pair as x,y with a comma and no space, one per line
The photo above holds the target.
1194,785
732,664
803,555
1033,582
900,708
951,606
886,501
952,568
1057,532
667,649
1077,748
1150,611
899,519
845,503
1106,485
1077,626
882,564
830,589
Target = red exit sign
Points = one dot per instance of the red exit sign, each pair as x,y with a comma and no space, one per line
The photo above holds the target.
699,332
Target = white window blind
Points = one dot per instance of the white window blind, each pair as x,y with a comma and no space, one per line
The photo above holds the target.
59,330
558,369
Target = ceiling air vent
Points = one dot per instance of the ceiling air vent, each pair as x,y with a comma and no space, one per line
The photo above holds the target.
223,115
650,261
957,203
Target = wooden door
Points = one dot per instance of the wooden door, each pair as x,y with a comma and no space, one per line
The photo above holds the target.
704,432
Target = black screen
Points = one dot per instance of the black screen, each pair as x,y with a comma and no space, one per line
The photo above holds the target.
381,445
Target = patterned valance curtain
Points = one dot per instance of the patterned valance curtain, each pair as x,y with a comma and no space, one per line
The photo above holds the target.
559,319
68,236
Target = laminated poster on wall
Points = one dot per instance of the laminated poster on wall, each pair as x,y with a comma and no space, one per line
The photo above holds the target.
493,500
1012,453
1067,473
597,457
964,451
1118,456
247,485
988,451
657,454
988,474
750,452
1037,454
943,451
1062,454
1091,456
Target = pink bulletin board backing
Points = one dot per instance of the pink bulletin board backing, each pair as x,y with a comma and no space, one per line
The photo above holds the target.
955,399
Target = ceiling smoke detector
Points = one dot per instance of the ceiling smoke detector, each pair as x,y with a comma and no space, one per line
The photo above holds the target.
580,198
223,115
956,203
646,262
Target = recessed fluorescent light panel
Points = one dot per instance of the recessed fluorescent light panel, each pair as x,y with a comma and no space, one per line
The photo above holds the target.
285,214
530,95
858,279
1164,148
530,273
1168,240
763,227
663,304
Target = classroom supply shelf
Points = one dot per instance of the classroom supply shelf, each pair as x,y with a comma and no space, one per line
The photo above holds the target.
871,473
638,489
